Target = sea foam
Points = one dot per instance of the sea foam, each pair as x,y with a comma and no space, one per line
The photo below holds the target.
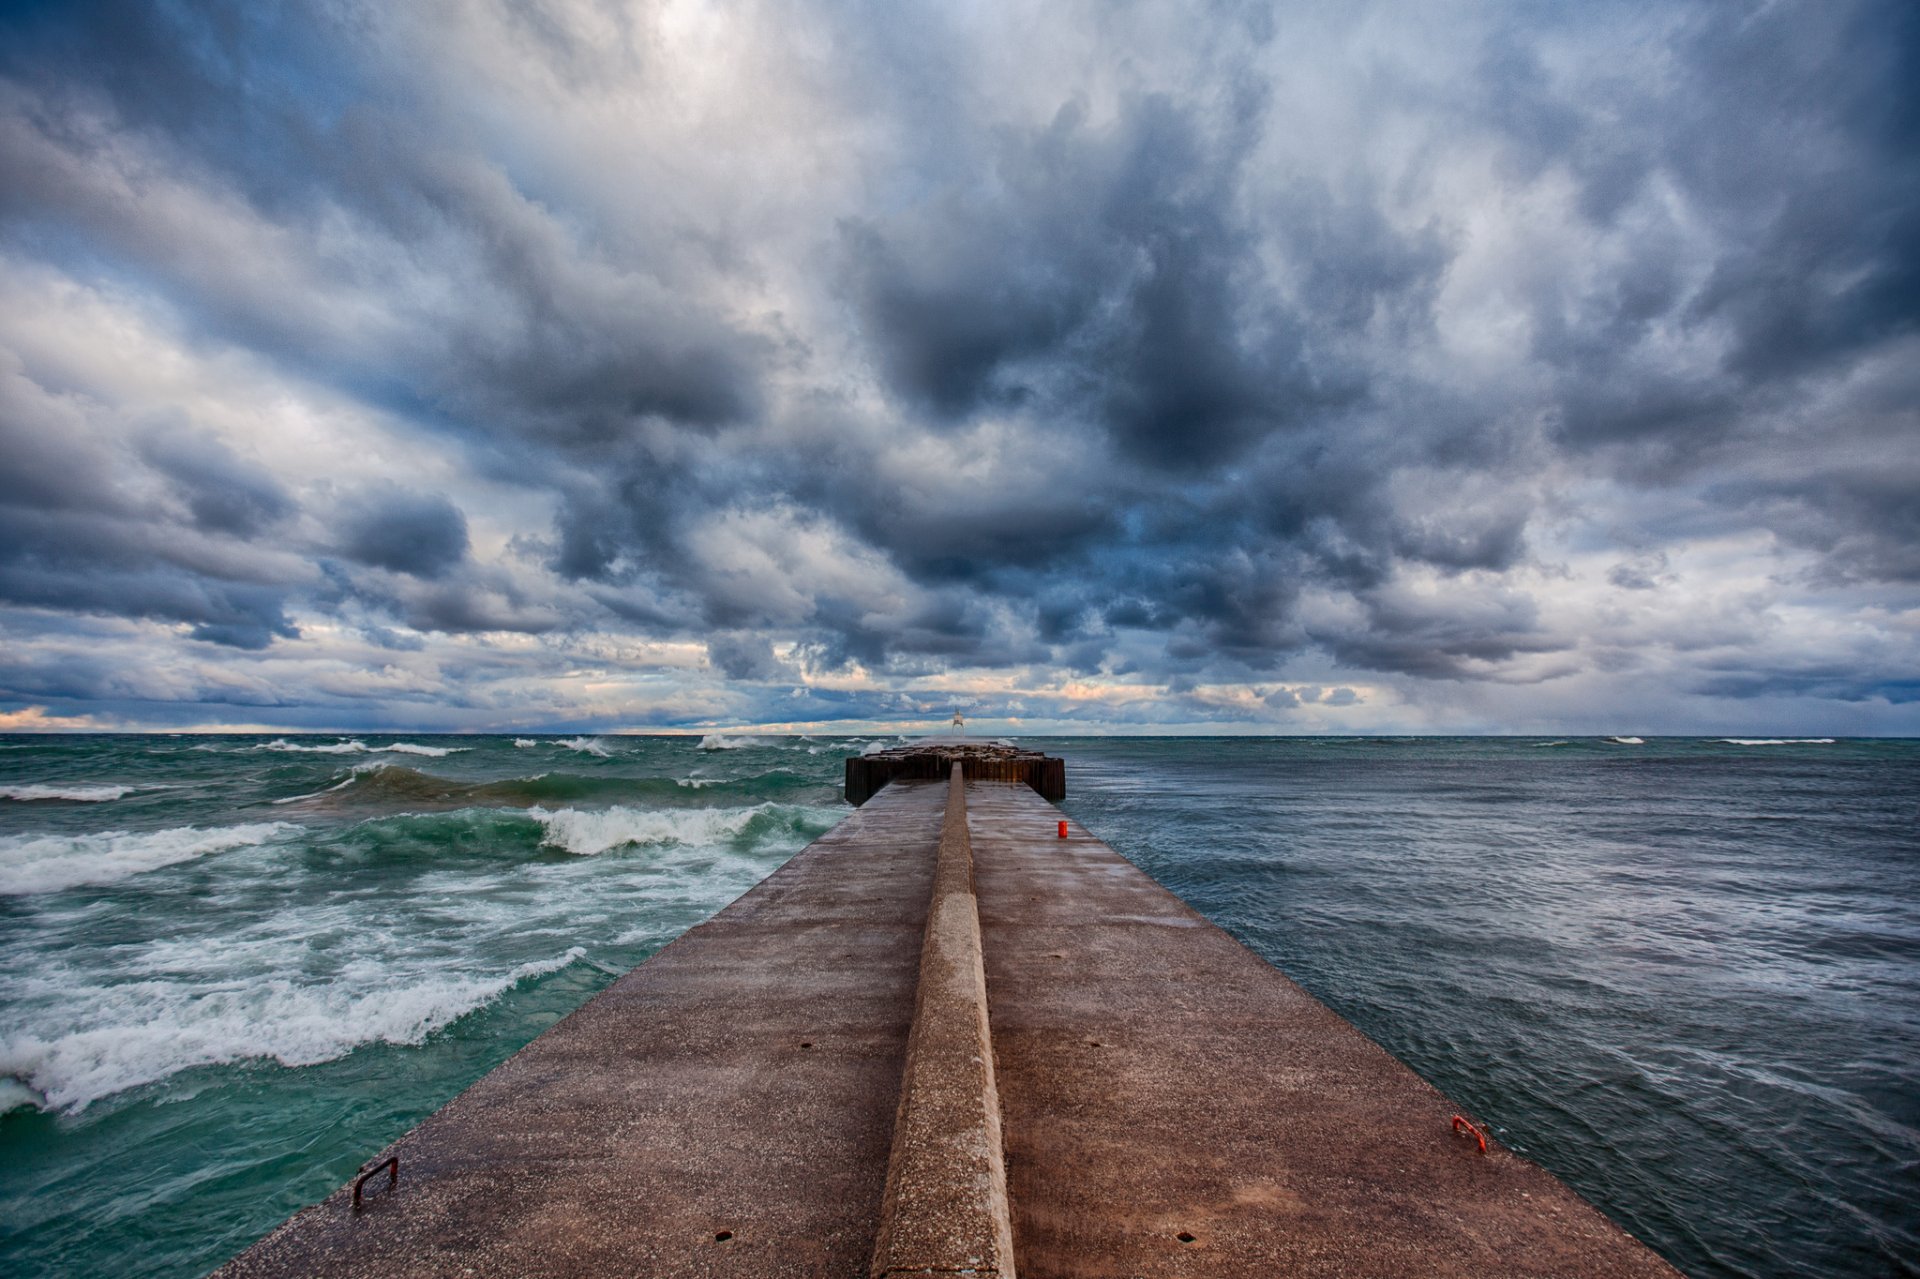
51,863
585,745
74,794
588,832
1778,741
354,747
143,1031
358,747
722,742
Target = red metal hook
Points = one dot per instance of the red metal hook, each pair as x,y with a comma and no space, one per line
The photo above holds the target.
1462,1124
390,1165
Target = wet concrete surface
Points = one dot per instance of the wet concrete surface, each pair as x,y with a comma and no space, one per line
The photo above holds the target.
726,1109
1171,1104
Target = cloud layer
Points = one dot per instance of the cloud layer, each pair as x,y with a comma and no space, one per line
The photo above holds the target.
1394,366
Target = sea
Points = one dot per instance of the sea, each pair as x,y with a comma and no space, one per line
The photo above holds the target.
1681,973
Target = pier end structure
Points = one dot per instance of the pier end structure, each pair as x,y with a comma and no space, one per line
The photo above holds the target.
932,760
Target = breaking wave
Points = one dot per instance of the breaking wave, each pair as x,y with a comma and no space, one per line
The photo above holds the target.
722,742
1778,741
358,747
141,1032
74,794
1626,741
585,745
355,747
52,863
588,832
384,785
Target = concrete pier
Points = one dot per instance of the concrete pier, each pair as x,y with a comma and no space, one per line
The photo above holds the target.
945,1040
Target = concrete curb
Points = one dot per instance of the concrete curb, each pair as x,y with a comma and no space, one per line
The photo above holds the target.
945,1210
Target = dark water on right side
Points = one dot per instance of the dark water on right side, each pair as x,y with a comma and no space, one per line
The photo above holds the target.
1682,974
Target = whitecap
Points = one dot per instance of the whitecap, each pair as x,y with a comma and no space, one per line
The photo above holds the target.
873,748
409,748
77,794
588,832
1778,741
51,863
141,1032
586,746
524,742
1627,741
14,1095
721,742
354,747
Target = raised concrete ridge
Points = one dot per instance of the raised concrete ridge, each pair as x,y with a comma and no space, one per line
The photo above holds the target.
945,1210
1163,1101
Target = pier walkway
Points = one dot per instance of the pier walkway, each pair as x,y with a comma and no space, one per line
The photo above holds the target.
1096,1079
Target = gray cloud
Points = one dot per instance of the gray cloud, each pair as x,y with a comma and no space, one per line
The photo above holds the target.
1154,348
224,494
419,533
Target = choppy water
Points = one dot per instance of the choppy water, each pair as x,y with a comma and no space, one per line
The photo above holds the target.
1684,974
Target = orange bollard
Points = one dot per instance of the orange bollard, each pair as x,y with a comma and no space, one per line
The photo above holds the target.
1063,830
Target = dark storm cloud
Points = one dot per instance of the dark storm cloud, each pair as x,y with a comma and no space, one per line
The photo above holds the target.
419,533
224,493
744,657
1185,345
76,536
1104,271
90,566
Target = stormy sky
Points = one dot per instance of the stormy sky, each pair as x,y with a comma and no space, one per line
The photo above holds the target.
1438,365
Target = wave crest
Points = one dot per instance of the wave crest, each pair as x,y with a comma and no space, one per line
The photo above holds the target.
142,1032
75,794
357,747
51,863
588,832
722,742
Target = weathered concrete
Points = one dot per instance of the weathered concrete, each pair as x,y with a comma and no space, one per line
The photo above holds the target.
1166,1102
1173,1105
946,1204
741,1083
931,759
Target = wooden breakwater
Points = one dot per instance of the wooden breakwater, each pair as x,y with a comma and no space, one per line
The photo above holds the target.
947,1039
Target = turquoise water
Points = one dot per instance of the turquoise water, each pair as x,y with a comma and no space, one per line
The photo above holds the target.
232,968
1684,974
